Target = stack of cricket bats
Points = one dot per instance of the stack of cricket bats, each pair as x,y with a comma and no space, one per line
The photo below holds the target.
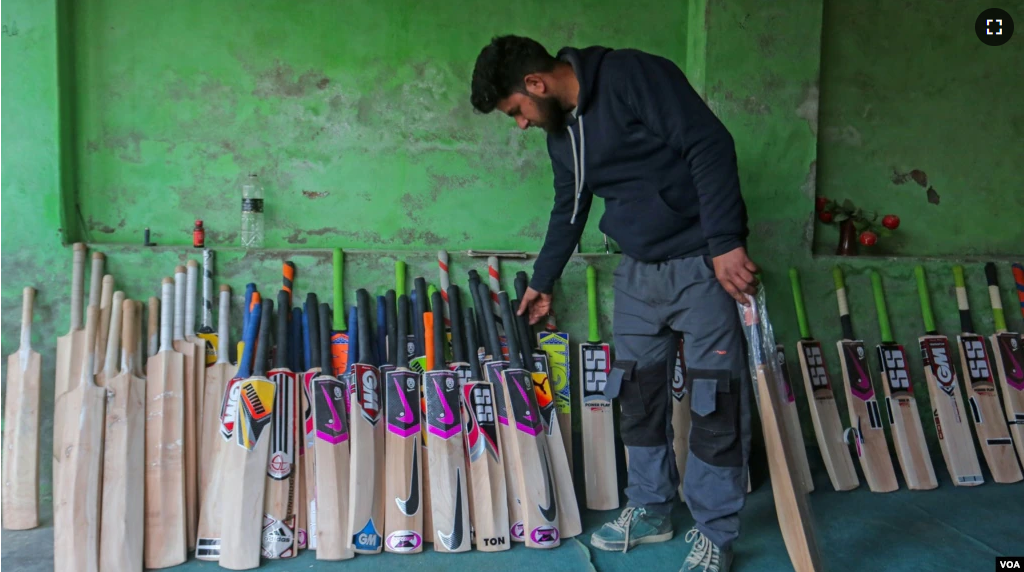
429,416
180,455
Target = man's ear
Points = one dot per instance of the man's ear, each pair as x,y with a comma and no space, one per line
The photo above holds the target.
535,84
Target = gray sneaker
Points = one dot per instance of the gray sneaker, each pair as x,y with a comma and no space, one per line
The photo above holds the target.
704,555
634,526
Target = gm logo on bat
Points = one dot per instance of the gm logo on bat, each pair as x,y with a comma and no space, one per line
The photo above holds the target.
994,27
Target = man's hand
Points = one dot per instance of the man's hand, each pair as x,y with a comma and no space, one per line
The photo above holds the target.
736,273
536,303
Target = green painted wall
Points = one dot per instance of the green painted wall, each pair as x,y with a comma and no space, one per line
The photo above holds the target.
910,88
359,124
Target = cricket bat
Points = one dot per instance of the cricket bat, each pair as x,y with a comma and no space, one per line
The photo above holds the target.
403,519
75,365
76,523
217,377
459,364
334,541
1009,365
481,305
219,424
1018,277
865,414
951,424
188,350
828,429
420,364
569,523
380,354
247,306
206,332
791,505
192,273
529,448
152,328
494,280
106,302
69,351
449,497
245,464
21,427
420,304
596,417
164,540
494,370
442,266
296,360
124,450
279,504
288,282
680,417
555,344
339,336
366,511
792,420
489,511
900,404
986,411
311,334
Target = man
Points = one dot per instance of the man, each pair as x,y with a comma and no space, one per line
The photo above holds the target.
627,126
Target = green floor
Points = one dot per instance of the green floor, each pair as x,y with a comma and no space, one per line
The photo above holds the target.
947,529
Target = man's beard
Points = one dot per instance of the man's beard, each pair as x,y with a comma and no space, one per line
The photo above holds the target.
552,115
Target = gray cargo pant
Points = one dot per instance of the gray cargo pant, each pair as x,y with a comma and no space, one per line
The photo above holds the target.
655,304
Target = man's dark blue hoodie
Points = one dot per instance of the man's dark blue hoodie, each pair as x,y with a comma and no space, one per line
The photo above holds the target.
644,141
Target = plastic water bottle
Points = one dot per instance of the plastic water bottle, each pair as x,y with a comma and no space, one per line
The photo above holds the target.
252,213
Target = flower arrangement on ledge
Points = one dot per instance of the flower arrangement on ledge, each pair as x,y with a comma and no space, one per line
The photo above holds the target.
855,224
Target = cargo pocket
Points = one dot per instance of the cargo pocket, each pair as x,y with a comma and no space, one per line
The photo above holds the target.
643,398
714,407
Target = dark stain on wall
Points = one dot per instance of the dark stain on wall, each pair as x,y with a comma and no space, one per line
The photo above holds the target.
97,226
443,183
412,236
221,237
315,194
280,81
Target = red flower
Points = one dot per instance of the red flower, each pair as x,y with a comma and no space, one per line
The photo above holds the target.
891,221
825,216
868,238
820,203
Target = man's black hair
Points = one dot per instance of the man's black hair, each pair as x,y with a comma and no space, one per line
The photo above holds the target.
501,67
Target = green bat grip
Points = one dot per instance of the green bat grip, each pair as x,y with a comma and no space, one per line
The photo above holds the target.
926,300
399,278
837,277
883,314
594,331
339,293
991,276
798,301
958,276
430,290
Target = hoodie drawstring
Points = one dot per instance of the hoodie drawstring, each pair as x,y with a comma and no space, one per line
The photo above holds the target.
578,169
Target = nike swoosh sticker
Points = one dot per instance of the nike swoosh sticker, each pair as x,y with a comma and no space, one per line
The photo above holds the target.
550,513
335,423
407,416
454,540
522,391
1016,372
410,505
447,417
